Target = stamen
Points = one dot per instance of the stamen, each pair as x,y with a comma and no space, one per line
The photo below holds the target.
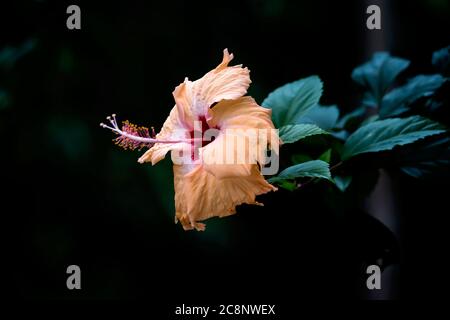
139,132
134,137
153,132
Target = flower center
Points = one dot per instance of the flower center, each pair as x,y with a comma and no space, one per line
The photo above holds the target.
198,134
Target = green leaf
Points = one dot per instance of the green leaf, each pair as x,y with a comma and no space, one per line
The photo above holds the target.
314,168
326,156
379,73
369,100
441,59
342,182
324,117
341,134
398,100
352,117
288,185
433,105
386,134
370,119
291,101
427,159
294,132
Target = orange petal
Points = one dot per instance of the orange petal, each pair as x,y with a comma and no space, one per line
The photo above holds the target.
173,129
223,82
183,102
193,100
240,113
200,195
245,131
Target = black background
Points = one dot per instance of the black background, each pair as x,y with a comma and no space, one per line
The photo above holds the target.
71,197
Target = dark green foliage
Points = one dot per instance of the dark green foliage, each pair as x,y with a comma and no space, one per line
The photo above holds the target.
324,117
293,100
386,134
441,60
326,156
430,158
398,100
379,74
342,182
294,132
362,131
314,168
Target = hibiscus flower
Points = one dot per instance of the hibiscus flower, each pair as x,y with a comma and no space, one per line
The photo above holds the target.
218,140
